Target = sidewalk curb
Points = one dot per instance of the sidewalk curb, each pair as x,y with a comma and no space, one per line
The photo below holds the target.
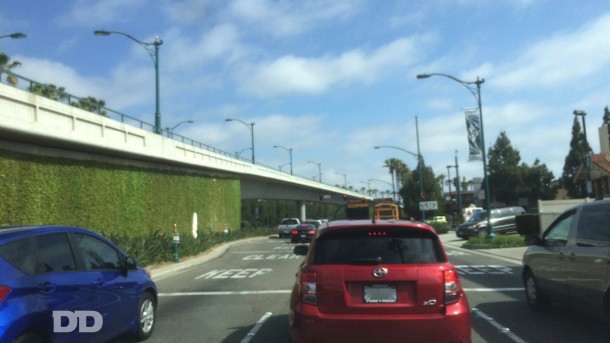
164,270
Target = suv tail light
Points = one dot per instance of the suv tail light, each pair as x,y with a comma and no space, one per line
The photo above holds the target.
4,292
311,232
308,286
295,232
453,289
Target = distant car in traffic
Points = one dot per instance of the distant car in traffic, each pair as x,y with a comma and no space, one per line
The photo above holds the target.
303,233
437,219
569,262
377,281
316,222
286,225
55,277
502,220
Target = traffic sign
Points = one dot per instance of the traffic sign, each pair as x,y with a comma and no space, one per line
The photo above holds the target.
428,205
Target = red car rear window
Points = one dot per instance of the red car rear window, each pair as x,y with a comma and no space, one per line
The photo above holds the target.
373,245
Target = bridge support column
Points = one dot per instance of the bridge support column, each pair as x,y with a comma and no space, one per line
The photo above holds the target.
302,210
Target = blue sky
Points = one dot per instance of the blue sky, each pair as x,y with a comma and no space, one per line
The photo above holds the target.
332,79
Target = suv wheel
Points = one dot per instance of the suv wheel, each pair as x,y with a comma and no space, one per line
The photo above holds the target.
535,299
482,232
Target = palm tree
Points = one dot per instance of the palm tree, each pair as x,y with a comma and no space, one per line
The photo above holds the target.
4,64
50,91
391,164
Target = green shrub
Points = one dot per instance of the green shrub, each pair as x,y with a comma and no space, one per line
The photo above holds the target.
440,227
500,241
157,246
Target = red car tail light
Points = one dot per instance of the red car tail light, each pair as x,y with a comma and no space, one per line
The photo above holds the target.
4,291
453,289
307,287
295,232
311,232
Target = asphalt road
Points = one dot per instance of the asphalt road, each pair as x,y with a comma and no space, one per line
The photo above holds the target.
242,295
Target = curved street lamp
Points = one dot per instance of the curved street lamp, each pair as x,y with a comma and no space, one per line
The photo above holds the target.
387,183
16,35
474,87
319,169
154,54
251,127
587,157
170,130
289,152
344,179
420,166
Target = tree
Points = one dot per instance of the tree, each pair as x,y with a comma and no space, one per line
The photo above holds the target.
392,164
50,91
411,191
505,181
92,104
540,181
4,63
573,163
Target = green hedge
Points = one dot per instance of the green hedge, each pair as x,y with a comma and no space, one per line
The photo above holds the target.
440,227
136,206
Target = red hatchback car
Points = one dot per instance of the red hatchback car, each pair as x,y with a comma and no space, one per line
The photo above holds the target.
383,281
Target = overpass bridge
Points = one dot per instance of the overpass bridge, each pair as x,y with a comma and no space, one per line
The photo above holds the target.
35,124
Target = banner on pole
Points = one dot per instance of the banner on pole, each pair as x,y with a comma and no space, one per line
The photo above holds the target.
473,128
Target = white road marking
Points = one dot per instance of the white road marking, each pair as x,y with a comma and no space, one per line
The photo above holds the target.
182,294
501,329
515,289
288,291
234,273
256,327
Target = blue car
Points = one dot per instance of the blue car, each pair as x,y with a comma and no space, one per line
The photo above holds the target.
68,284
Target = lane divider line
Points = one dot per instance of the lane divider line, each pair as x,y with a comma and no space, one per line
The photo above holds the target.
256,327
180,294
501,329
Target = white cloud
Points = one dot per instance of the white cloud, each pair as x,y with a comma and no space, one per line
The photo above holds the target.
560,59
292,74
222,42
87,13
46,71
190,12
285,18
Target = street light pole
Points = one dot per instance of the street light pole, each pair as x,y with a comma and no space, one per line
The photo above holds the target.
476,92
457,184
587,156
154,54
387,183
289,152
449,179
251,127
319,169
344,179
170,130
420,164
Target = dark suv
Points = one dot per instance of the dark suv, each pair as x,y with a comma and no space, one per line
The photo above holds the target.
377,281
502,221
67,284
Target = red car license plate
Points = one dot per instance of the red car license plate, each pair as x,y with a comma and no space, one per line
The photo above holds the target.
379,293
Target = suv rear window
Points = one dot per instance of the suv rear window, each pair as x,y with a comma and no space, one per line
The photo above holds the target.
372,245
